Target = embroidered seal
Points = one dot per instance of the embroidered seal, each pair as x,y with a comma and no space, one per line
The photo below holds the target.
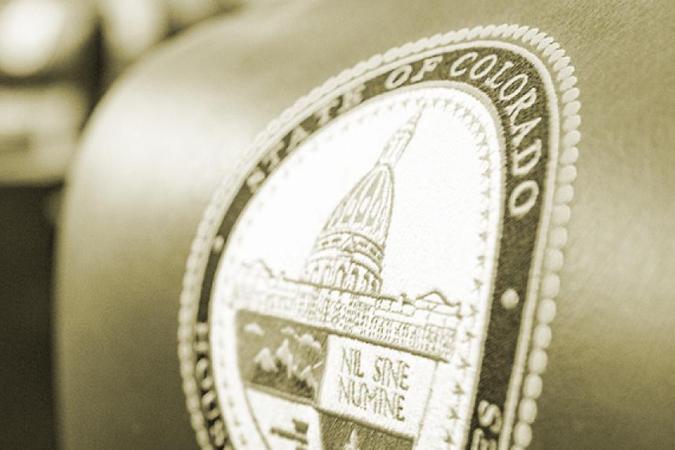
383,273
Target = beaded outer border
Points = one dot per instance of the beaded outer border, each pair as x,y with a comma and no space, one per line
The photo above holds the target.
562,72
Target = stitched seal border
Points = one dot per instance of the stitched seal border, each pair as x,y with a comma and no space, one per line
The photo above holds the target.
538,338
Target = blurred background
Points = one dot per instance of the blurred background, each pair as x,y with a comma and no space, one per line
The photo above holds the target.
57,59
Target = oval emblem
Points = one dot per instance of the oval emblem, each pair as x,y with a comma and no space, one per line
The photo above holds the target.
383,274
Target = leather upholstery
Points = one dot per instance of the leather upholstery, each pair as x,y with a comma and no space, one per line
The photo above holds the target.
178,122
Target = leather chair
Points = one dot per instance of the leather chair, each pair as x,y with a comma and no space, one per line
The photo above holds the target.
177,124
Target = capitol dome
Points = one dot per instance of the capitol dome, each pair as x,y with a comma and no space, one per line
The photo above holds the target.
349,251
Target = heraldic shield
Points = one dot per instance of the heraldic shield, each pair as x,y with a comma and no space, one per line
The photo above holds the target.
332,341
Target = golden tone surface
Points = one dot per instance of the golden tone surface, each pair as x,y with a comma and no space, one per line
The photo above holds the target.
179,122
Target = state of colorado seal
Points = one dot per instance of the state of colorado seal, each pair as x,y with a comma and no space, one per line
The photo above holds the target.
383,273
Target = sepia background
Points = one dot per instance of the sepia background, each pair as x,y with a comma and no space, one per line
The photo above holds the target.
93,363
57,59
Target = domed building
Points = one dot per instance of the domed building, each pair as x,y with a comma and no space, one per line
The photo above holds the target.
349,252
340,290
